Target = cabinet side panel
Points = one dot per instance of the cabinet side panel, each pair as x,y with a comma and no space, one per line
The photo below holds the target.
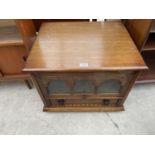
138,29
11,59
37,85
27,30
130,85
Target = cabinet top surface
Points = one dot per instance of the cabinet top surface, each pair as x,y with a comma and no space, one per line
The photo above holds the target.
84,46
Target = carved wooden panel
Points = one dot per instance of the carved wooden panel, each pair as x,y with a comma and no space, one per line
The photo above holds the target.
84,103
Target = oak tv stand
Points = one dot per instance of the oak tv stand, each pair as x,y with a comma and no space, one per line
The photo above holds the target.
84,66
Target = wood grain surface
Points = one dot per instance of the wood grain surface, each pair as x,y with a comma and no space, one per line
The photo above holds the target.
84,46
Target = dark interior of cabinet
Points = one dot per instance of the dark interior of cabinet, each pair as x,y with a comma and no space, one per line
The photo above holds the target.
152,30
150,43
148,75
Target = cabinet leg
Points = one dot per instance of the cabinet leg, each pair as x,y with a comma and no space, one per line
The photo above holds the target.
28,83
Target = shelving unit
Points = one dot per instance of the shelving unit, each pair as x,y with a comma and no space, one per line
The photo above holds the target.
16,38
143,34
9,35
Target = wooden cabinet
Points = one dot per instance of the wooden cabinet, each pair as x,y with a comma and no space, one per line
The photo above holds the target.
16,38
84,66
143,33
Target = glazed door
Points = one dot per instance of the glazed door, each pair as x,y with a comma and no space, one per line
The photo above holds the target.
84,85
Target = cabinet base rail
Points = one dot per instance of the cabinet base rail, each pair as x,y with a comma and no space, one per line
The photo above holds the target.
83,109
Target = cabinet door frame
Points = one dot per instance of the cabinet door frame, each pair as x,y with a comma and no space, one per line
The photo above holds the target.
43,79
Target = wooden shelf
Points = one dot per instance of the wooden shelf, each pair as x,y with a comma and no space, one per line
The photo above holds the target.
150,43
148,75
22,76
7,22
9,35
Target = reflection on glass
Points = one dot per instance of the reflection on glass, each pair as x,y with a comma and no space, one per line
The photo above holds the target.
58,86
110,86
84,86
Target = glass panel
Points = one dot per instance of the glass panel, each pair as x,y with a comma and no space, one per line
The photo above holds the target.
110,86
58,86
84,86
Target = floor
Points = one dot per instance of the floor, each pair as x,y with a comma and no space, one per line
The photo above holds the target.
21,113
